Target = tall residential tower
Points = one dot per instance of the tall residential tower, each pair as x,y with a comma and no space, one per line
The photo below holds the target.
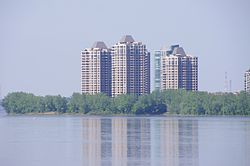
175,70
96,69
247,81
130,67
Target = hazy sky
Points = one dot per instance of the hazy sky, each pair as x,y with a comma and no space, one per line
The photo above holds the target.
41,40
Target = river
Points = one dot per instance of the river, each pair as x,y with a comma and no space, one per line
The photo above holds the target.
122,141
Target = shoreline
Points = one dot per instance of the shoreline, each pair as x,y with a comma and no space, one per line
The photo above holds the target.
121,115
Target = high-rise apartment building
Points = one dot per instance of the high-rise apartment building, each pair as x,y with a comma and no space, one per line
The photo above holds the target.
175,70
157,62
96,69
247,81
130,67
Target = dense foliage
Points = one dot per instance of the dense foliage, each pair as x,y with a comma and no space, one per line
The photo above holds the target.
166,102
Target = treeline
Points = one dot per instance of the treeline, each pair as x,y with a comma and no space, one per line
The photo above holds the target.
166,102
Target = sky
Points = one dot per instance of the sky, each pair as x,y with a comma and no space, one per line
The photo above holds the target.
41,40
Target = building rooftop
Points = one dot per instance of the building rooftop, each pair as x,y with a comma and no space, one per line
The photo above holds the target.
127,39
172,47
179,51
99,44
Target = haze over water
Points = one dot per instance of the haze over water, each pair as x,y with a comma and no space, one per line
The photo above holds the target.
104,141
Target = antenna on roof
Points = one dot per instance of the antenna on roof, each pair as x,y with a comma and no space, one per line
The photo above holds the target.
230,85
226,83
0,92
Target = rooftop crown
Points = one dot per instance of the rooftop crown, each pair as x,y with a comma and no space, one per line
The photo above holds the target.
127,39
99,44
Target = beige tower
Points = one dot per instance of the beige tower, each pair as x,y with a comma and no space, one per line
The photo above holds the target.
178,70
96,69
130,67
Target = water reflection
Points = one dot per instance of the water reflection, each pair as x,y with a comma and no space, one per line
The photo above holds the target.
139,141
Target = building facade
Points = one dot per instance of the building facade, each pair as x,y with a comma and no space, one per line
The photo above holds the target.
96,69
247,81
157,70
130,67
175,70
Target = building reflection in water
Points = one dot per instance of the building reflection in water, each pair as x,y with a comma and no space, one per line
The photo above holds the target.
119,141
125,141
138,141
188,142
91,141
165,139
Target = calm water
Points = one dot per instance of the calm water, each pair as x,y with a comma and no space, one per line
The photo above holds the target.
106,141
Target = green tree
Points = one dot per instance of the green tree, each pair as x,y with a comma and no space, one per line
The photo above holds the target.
123,103
76,103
